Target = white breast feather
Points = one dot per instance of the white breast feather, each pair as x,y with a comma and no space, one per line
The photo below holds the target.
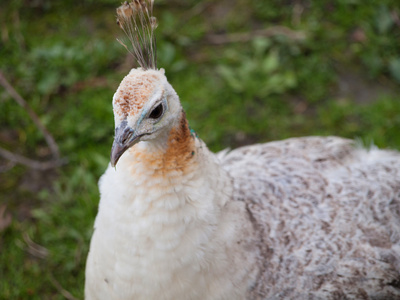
296,219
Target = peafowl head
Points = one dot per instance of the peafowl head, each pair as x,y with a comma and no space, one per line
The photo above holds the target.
145,105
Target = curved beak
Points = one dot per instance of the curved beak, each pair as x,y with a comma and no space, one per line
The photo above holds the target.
124,139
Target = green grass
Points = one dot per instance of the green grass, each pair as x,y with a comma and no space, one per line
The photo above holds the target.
342,79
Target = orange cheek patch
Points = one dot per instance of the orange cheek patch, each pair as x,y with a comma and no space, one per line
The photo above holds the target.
179,155
180,147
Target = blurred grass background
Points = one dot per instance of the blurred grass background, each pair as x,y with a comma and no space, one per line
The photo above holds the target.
246,71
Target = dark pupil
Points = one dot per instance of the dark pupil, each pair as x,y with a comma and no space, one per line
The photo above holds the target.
157,112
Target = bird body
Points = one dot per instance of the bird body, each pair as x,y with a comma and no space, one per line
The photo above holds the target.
304,218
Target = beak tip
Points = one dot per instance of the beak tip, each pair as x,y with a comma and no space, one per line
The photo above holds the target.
114,161
115,155
124,139
116,152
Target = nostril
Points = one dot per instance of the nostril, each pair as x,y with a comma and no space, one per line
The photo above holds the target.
126,135
124,139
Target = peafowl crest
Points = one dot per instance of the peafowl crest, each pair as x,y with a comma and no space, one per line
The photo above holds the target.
137,21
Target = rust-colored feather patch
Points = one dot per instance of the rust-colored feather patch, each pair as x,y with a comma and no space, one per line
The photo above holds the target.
179,155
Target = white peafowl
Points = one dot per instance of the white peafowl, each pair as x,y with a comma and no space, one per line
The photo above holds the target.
303,218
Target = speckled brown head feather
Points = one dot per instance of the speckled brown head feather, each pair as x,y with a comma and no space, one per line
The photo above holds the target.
137,21
133,92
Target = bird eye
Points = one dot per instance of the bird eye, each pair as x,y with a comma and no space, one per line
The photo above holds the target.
157,112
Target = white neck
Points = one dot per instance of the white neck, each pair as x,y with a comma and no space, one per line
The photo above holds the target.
165,232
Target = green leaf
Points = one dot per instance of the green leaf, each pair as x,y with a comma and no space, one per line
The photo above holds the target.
394,68
271,62
229,75
383,19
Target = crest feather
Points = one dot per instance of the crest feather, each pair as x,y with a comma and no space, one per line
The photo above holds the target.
137,21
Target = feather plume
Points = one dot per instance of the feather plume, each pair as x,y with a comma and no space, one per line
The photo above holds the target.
137,21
